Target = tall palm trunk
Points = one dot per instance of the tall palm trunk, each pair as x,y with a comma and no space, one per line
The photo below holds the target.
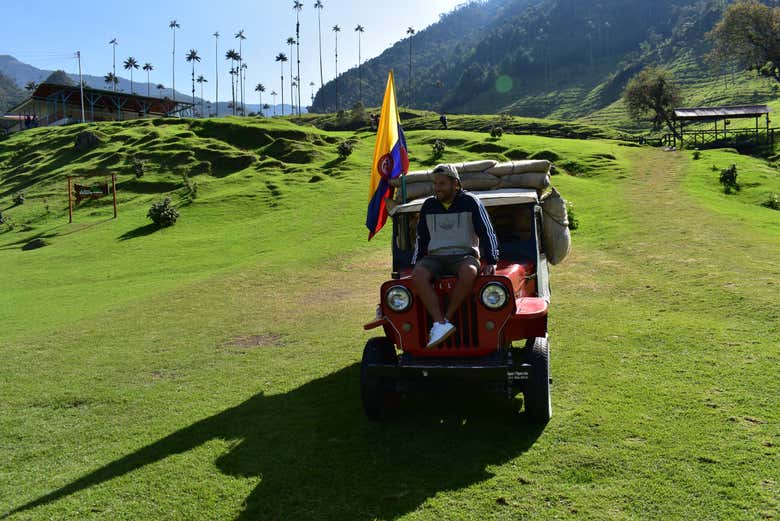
282,67
147,83
298,55
173,70
319,29
193,85
337,72
240,80
360,71
411,92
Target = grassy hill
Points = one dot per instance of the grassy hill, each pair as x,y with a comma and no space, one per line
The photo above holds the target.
209,369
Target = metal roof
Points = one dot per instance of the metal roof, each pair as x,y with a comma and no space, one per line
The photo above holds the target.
104,99
740,111
502,197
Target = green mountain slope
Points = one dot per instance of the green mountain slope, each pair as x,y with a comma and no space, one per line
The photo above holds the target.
10,94
561,59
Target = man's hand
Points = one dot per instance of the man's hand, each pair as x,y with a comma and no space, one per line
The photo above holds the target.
489,269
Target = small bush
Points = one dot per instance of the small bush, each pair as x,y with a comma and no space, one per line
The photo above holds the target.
728,178
345,149
19,198
139,167
163,214
358,112
574,223
6,221
772,202
715,168
696,155
496,132
438,148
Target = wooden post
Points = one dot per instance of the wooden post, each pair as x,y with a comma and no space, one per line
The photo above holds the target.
70,201
113,191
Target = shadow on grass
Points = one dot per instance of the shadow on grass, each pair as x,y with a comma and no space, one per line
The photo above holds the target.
141,231
319,458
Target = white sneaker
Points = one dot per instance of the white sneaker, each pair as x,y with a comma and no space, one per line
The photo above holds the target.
440,332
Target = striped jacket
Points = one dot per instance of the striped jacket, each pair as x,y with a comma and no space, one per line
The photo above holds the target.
463,229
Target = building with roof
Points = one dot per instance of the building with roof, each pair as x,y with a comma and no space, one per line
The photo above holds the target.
56,104
722,133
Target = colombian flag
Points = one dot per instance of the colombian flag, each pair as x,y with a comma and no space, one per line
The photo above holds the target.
390,160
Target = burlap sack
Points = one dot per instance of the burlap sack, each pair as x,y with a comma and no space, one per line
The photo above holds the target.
519,167
536,180
415,191
475,166
479,181
422,176
556,236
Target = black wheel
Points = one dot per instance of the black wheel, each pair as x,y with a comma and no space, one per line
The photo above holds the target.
538,405
379,395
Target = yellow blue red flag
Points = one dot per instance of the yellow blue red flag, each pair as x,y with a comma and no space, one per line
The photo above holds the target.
391,160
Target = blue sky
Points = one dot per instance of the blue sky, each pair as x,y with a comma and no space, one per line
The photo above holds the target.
47,37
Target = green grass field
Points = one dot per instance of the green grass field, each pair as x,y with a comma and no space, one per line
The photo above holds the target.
210,370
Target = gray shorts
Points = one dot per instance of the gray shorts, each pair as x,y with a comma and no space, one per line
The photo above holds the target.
446,265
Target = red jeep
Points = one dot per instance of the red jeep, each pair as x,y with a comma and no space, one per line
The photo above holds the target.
501,337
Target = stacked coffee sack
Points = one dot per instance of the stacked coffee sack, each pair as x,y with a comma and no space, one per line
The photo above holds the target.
481,175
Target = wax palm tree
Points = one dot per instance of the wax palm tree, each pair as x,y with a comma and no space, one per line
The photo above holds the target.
410,31
193,57
260,88
297,6
337,30
359,29
281,58
319,7
312,84
160,87
114,43
266,106
130,64
111,79
240,37
148,67
216,71
233,56
291,42
31,86
201,80
273,96
173,25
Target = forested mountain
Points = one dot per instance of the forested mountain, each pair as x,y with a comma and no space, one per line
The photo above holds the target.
546,58
10,94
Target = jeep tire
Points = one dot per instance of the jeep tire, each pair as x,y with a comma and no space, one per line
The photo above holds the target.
379,394
538,406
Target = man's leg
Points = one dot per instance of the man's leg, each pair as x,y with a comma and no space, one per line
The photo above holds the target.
422,278
467,275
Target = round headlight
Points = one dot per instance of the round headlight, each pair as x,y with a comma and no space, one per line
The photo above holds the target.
399,299
494,295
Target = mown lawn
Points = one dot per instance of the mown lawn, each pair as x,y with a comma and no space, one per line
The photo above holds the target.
209,370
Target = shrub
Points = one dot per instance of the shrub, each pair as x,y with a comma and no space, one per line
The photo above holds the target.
163,214
139,167
574,223
696,155
772,202
19,198
358,112
496,132
345,149
5,220
438,147
728,178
